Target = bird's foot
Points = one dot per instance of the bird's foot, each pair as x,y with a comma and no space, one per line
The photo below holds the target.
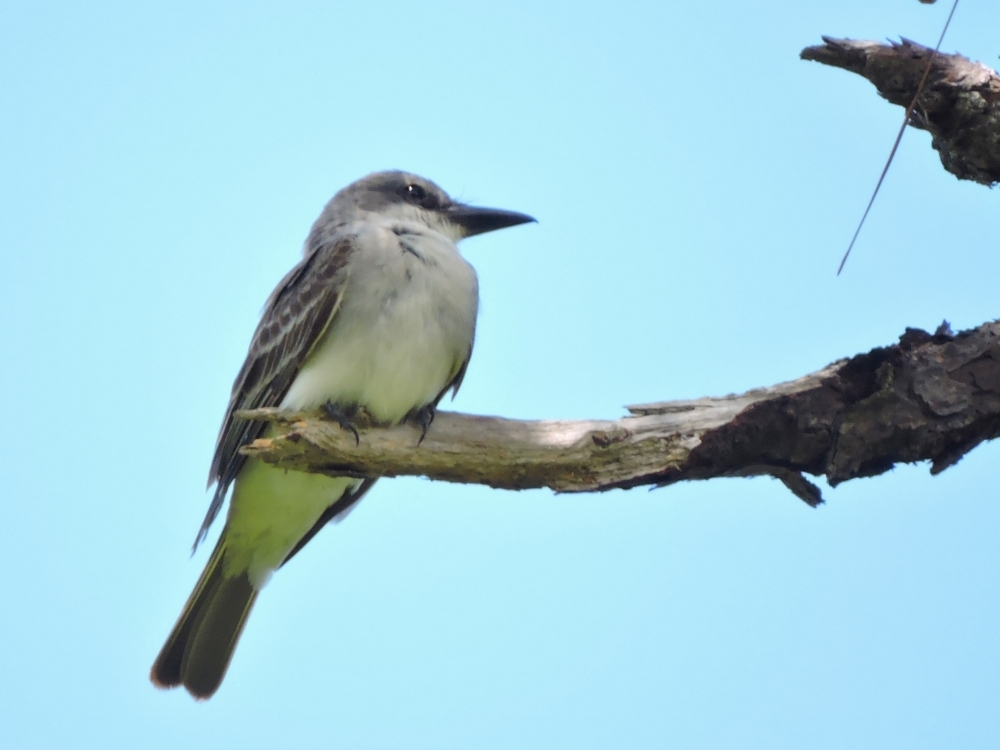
337,414
423,417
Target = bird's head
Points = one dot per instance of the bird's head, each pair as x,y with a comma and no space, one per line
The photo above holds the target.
407,197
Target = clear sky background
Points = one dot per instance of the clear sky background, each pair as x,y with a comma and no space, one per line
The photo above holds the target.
695,185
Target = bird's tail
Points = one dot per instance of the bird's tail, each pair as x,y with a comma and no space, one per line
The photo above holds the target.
199,648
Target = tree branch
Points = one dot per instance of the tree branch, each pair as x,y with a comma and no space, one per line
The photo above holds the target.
959,104
928,397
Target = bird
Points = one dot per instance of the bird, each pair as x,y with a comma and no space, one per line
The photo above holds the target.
379,315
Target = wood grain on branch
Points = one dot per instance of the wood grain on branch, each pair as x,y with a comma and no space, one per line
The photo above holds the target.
928,397
959,104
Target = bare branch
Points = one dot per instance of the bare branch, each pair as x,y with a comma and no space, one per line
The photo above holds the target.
929,397
959,104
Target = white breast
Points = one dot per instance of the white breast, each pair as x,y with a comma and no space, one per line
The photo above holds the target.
405,325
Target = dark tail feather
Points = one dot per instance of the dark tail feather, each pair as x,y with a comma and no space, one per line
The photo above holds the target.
198,650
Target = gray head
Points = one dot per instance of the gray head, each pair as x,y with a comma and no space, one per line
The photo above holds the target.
407,197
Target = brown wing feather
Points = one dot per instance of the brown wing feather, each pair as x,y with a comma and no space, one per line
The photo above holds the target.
295,318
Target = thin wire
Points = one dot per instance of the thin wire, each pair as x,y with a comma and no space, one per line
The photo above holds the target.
899,137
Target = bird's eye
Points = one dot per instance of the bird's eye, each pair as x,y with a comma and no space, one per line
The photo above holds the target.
416,193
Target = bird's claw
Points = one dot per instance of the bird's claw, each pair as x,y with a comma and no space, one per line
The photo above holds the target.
338,415
424,416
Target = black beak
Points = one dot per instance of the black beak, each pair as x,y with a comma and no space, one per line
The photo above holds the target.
479,220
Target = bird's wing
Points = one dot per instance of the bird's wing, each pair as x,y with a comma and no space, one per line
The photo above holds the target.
295,318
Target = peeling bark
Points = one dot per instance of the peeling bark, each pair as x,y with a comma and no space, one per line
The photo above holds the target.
930,397
959,104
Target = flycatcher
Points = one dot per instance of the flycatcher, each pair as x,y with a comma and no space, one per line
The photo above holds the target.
380,315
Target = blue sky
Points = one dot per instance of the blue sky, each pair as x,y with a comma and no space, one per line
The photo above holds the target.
695,185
